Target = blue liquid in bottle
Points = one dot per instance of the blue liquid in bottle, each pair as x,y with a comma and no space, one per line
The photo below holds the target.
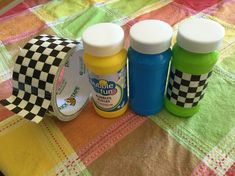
149,57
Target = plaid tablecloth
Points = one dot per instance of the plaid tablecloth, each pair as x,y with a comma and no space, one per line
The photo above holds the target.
159,145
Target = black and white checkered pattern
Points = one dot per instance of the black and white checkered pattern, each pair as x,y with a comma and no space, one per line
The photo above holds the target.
33,76
186,90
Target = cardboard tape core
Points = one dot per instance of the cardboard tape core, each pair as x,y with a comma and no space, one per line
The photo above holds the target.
73,91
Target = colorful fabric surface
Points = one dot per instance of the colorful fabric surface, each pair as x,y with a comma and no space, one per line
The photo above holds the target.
5,5
162,144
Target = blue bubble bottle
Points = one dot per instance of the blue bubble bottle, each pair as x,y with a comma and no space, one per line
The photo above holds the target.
149,55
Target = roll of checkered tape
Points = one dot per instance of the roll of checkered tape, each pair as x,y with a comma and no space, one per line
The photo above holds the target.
49,77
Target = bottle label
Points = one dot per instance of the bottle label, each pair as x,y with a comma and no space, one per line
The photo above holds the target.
184,89
109,92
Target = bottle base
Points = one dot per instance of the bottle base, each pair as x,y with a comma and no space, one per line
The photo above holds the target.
180,111
110,115
146,112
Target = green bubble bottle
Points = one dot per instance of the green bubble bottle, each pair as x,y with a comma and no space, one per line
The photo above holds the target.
194,56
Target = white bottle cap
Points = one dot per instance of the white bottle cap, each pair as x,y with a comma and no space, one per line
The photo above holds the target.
103,39
200,35
151,36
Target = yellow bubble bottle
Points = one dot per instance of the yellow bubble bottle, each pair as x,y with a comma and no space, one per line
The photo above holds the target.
105,59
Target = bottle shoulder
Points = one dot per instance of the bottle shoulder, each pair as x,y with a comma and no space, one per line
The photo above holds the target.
106,65
195,63
159,58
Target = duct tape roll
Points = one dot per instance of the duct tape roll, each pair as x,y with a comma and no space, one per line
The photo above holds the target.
49,77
